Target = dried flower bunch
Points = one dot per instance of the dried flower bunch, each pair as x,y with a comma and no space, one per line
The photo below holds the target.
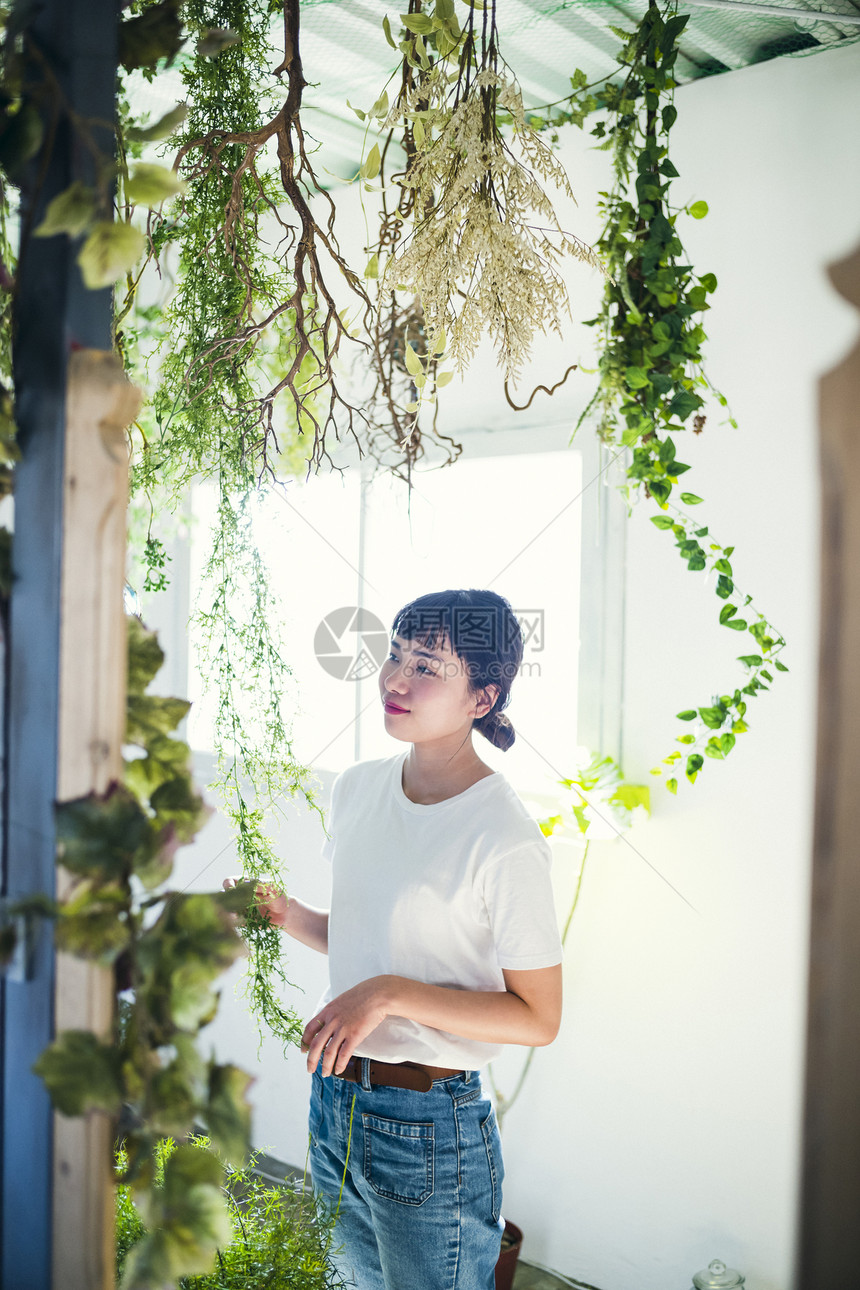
485,244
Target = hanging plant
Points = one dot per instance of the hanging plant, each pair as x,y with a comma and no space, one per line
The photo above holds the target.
652,382
166,949
468,236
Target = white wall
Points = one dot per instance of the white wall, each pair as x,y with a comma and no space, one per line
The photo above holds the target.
663,1126
661,1129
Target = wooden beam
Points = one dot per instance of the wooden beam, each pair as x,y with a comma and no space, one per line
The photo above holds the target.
100,404
829,1229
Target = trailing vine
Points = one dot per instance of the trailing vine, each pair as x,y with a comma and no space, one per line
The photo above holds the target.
600,802
652,384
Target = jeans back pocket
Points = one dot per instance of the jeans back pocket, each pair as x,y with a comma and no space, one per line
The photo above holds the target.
399,1158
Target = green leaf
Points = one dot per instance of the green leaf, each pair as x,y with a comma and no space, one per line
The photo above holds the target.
661,521
686,739
145,655
148,715
70,212
152,35
162,129
689,714
636,378
441,343
109,252
738,624
372,162
413,363
723,566
690,499
549,825
780,667
712,717
372,268
709,282
727,743
81,1073
228,1111
215,39
443,378
672,785
100,835
152,185
386,27
359,112
699,210
629,796
727,612
695,762
188,1218
419,23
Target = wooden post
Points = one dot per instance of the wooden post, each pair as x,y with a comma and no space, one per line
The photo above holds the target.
829,1228
100,403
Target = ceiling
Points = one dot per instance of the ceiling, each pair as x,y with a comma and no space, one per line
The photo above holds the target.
346,56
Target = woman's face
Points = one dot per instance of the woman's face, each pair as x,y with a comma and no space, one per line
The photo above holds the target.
425,692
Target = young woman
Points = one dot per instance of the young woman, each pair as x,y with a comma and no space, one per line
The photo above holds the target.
443,945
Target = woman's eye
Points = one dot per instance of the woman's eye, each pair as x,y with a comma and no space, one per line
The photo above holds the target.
428,670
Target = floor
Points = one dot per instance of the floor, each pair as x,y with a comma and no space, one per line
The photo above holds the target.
529,1278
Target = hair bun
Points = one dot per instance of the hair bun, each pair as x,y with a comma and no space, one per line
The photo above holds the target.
496,727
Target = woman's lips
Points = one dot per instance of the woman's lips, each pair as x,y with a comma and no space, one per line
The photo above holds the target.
392,707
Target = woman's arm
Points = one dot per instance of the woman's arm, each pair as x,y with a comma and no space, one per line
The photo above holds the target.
527,1011
303,922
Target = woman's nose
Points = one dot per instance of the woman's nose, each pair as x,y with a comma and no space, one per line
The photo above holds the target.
395,678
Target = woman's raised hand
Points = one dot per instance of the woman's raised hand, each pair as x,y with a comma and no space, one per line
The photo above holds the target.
271,902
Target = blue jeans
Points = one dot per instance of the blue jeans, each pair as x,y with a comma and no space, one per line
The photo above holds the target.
420,1205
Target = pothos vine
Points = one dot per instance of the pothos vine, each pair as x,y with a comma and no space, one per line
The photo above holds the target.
652,382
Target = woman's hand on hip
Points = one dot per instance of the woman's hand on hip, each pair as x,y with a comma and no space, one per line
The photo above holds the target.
334,1033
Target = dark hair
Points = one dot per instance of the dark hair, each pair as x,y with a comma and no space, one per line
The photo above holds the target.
482,630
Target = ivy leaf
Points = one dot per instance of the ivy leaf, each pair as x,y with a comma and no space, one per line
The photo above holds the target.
188,1219
90,922
413,363
153,184
372,269
81,1073
419,23
386,27
780,667
443,378
690,499
550,824
712,717
228,1112
70,212
629,796
699,210
689,714
371,164
145,655
99,835
661,521
672,785
161,129
148,715
636,378
176,801
154,34
695,762
109,252
727,612
737,624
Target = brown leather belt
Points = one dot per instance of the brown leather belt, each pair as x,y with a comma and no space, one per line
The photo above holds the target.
397,1075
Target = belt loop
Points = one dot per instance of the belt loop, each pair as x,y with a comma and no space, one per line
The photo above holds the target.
365,1073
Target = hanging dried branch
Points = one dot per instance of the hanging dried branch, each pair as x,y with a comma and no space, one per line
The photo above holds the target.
485,243
317,327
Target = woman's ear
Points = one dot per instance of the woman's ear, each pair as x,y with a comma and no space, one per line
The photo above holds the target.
485,699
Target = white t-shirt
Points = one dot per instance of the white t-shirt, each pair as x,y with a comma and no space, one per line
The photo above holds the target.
449,894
